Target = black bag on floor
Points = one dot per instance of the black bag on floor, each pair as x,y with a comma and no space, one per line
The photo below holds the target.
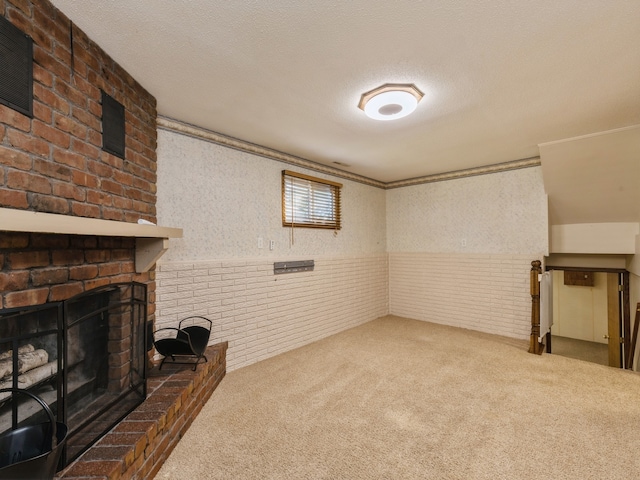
32,452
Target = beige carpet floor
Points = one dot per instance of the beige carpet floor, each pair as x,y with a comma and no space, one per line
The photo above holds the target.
404,399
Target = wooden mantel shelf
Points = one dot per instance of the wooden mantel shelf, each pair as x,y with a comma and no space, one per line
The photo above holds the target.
151,240
12,220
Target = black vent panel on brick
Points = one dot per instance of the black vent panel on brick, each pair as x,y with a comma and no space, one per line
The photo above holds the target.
16,68
112,126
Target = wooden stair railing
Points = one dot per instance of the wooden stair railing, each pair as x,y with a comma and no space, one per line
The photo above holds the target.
634,339
534,344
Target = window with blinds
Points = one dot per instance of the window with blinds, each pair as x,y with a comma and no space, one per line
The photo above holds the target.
310,202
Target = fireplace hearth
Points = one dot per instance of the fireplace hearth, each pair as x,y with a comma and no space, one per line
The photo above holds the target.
85,356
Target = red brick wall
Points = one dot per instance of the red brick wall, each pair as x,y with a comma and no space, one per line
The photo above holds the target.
54,163
39,268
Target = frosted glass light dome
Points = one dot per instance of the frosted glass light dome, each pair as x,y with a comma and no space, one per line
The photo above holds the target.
390,101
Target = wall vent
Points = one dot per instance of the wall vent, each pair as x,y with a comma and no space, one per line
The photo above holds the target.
16,68
293,267
112,126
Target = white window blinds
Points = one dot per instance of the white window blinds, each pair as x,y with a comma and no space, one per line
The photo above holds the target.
310,202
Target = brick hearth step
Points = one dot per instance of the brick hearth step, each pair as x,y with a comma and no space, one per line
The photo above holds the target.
138,446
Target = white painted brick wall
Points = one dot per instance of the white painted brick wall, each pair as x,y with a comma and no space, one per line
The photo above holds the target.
488,293
261,314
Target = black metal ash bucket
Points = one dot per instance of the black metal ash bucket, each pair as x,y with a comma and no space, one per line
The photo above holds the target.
32,452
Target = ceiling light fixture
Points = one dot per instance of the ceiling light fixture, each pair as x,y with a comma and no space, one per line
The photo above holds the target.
390,101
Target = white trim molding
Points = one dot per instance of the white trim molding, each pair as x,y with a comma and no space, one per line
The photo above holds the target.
177,126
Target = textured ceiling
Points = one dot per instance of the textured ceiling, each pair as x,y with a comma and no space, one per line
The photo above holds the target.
500,76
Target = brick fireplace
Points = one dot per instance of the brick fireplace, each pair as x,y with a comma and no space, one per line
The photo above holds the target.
86,357
54,163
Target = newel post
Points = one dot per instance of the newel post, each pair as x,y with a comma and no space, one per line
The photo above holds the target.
534,345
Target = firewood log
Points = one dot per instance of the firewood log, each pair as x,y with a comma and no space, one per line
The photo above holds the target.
23,349
26,361
30,378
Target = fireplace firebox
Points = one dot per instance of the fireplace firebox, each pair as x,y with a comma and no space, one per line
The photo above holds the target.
86,357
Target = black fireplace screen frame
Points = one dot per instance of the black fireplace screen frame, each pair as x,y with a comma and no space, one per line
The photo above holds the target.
90,408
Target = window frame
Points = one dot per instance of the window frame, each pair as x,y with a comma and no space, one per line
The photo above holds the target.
320,185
